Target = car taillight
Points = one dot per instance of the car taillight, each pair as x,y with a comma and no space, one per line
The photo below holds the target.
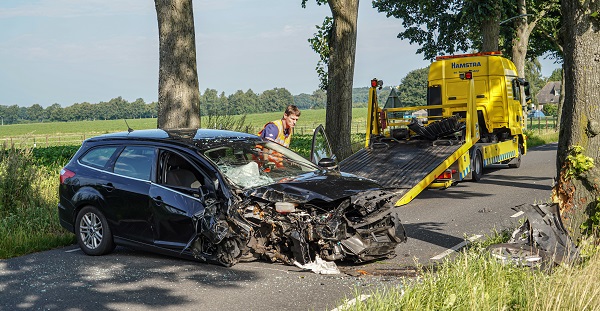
65,174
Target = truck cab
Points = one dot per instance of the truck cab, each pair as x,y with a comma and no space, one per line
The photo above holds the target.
498,92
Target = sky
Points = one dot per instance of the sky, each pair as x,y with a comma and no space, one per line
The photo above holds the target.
74,51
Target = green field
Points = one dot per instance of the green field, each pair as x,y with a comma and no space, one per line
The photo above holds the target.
72,133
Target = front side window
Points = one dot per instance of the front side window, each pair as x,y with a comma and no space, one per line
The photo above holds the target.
253,164
177,171
135,161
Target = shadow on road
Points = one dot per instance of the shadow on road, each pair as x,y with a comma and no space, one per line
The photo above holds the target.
530,182
125,278
430,232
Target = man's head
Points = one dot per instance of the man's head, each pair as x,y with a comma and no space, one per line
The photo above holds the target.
290,117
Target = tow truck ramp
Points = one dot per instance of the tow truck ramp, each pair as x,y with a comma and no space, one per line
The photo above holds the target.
407,167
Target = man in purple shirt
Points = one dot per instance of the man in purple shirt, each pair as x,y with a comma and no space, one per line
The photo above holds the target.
280,131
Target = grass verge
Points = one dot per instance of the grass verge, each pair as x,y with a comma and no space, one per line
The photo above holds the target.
476,281
538,138
28,205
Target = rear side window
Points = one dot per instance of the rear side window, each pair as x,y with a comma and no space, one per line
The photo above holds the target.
98,157
136,162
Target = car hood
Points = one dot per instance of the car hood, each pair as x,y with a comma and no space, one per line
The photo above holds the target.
320,185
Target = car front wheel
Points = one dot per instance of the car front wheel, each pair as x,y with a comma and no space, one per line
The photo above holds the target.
92,231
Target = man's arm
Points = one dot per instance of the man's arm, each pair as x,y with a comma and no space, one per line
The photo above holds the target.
270,132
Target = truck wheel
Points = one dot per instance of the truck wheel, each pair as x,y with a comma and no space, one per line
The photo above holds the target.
93,234
477,166
516,163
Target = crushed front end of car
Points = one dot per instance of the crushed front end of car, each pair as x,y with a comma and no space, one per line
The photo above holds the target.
358,228
283,208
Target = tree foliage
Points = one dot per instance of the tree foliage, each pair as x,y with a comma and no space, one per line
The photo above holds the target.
440,26
550,110
413,88
556,75
320,44
448,27
212,103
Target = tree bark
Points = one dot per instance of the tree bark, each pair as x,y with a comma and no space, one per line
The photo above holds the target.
561,98
178,90
580,116
490,31
520,42
342,51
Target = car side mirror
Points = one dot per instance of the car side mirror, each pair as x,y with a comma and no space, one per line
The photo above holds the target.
327,163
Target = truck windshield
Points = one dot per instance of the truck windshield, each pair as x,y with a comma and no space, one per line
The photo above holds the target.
252,164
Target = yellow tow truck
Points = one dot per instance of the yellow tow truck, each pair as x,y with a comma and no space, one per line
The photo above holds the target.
473,118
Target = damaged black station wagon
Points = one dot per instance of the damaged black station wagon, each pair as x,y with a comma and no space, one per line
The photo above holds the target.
221,197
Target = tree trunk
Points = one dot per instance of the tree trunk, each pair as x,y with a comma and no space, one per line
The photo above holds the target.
520,44
561,98
577,194
342,51
178,90
490,31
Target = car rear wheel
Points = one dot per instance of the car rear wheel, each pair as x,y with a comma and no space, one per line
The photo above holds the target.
477,166
516,163
92,231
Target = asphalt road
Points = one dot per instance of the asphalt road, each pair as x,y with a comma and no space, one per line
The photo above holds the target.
436,221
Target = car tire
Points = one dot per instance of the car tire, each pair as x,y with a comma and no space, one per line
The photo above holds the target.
477,166
93,233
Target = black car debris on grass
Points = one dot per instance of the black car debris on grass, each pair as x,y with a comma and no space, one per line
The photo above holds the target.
221,197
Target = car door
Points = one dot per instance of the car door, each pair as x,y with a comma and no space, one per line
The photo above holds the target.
320,151
126,193
176,200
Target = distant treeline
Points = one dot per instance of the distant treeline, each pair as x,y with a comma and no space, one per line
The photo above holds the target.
211,103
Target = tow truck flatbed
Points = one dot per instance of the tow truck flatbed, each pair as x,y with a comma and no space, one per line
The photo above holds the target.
401,165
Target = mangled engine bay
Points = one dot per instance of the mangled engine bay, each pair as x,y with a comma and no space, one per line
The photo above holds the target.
359,228
284,208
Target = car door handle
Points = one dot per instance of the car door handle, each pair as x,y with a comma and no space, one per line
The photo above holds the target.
109,187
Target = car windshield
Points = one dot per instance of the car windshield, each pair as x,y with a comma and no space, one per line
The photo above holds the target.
251,164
